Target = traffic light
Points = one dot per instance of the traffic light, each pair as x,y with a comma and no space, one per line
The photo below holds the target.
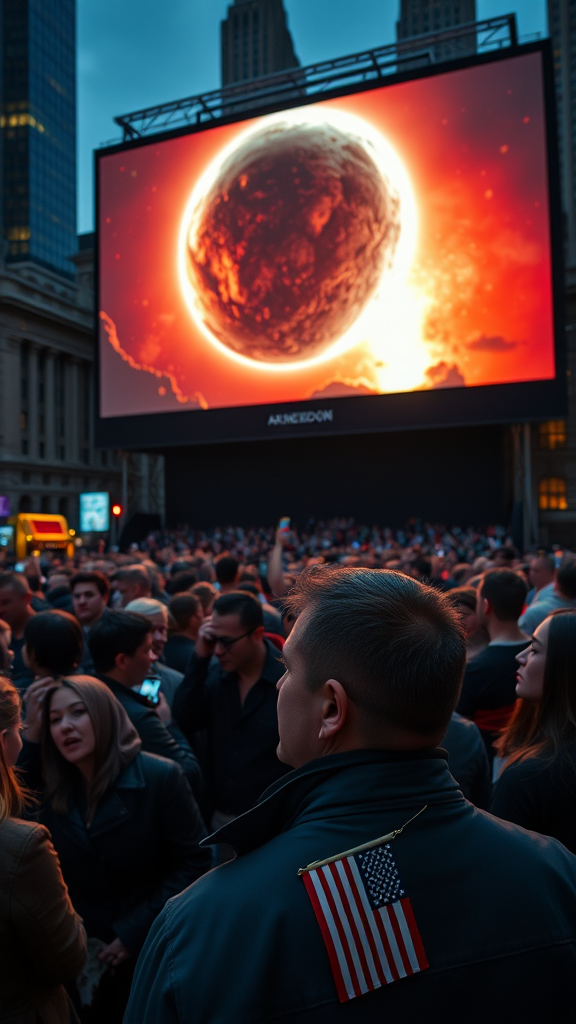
117,510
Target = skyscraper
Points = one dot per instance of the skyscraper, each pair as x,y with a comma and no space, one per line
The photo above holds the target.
255,41
38,128
418,17
562,28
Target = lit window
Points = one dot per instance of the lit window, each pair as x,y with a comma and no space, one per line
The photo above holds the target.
552,434
552,493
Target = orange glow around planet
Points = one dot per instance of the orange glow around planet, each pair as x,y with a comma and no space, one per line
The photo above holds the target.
291,239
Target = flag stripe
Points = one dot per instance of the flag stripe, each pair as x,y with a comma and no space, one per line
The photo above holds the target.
399,938
416,939
382,959
350,900
384,916
331,940
358,975
386,944
351,980
406,937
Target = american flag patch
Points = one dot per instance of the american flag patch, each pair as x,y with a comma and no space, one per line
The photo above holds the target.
366,921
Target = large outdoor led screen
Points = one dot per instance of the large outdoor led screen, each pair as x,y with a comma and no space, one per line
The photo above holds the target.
381,258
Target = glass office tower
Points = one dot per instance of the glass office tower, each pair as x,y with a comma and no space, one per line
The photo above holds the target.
38,126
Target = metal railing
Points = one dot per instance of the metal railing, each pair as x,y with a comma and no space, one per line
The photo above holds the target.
269,91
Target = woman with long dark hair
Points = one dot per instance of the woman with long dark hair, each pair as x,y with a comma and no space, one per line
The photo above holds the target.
42,941
124,824
537,787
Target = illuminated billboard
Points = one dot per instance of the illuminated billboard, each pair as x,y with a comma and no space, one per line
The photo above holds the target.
94,512
381,259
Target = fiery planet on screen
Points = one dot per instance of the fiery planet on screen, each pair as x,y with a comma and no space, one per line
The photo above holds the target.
391,240
289,234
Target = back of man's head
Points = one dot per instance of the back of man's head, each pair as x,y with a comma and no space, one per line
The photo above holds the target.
395,645
245,606
506,591
566,577
181,581
118,633
54,642
226,567
184,607
135,574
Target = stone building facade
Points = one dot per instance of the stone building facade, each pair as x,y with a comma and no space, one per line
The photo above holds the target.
47,453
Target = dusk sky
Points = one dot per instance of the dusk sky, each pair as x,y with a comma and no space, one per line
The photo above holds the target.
136,53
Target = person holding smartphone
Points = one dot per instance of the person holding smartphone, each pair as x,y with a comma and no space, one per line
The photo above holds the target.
121,648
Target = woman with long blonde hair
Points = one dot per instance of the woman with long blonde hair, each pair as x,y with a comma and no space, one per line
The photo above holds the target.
42,941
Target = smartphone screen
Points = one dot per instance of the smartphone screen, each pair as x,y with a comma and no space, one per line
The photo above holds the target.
150,688
284,524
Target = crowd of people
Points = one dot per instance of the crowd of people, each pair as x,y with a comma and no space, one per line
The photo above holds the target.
352,675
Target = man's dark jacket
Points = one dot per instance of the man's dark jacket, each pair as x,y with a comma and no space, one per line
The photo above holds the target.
157,738
238,756
495,906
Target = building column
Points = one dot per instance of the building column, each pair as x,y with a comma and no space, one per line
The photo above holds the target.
72,424
50,408
32,401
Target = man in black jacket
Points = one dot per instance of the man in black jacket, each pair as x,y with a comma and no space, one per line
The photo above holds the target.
121,648
419,907
229,691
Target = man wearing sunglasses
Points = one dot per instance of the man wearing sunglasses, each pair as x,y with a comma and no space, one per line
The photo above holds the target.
228,696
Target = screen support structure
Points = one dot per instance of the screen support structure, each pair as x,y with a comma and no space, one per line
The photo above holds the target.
315,79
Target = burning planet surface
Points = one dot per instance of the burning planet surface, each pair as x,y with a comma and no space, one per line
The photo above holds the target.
288,236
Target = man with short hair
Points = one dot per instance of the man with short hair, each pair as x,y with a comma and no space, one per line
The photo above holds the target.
157,615
227,570
188,615
121,648
90,593
541,574
562,595
233,697
130,584
16,610
366,888
488,693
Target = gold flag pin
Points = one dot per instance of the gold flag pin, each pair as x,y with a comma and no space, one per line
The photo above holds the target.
359,849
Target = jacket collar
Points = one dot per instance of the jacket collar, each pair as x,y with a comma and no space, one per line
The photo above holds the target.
328,784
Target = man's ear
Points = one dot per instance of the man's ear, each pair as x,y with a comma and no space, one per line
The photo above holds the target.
486,606
335,709
120,661
258,633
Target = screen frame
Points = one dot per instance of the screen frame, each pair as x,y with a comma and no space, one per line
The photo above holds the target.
527,401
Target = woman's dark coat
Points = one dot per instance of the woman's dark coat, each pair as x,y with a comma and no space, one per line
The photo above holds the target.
140,849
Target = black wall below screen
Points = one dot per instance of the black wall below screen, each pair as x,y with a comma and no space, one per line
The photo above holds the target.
454,476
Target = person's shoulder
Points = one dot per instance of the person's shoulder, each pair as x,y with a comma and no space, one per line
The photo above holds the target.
464,726
530,854
540,766
156,767
171,675
18,837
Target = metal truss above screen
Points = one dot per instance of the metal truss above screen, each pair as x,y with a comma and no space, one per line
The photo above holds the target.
271,91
